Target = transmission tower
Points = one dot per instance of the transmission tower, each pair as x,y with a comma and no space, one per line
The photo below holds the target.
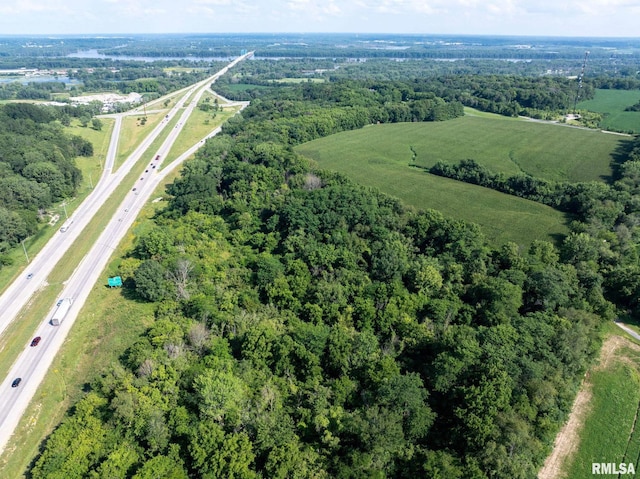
584,65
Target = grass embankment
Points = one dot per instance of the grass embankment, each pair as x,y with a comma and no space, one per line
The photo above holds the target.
611,103
91,168
379,156
611,431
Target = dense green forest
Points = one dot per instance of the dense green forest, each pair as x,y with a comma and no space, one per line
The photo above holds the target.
306,326
508,95
605,234
37,169
309,327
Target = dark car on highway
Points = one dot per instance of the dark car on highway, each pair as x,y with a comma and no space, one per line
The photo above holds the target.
35,341
15,382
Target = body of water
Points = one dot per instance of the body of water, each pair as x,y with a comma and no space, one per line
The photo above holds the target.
95,54
39,79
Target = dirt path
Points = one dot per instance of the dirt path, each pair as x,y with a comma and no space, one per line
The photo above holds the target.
568,438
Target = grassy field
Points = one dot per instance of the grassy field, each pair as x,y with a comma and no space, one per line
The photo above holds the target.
612,104
235,87
373,162
507,145
133,131
199,124
610,432
92,167
606,432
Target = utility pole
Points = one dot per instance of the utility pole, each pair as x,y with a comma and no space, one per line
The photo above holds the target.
64,205
25,250
584,65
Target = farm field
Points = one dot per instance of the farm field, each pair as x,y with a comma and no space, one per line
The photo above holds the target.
554,152
502,217
610,432
612,104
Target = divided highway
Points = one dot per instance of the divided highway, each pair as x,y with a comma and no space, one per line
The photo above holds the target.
32,364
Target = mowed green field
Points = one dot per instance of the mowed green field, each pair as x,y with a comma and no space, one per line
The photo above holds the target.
550,151
381,155
612,103
502,217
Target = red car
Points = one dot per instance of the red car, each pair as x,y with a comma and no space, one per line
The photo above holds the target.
35,341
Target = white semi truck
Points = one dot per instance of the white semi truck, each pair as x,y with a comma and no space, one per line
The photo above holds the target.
66,225
61,311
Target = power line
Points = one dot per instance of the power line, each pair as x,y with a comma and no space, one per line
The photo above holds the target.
584,65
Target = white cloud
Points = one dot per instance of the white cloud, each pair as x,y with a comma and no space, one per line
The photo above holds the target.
529,17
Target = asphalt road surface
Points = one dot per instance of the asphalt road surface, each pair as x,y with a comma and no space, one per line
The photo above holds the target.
33,363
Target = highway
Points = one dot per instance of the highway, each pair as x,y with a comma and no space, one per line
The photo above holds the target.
33,363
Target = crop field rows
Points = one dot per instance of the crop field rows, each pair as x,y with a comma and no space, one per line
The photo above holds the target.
381,156
611,432
612,104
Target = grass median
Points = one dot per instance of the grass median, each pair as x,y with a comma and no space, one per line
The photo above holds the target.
107,324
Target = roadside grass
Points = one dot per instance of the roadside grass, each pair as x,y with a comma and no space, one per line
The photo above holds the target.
502,217
612,104
90,168
133,131
610,433
107,325
199,124
507,145
241,87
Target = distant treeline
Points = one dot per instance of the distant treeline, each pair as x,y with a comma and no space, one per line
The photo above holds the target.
314,110
503,94
580,199
149,79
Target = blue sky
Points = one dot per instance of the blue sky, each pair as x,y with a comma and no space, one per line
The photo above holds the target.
493,17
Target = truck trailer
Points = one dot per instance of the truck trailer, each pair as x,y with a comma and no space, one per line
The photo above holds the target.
66,225
61,311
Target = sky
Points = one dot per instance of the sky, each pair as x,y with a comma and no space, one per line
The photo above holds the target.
584,18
